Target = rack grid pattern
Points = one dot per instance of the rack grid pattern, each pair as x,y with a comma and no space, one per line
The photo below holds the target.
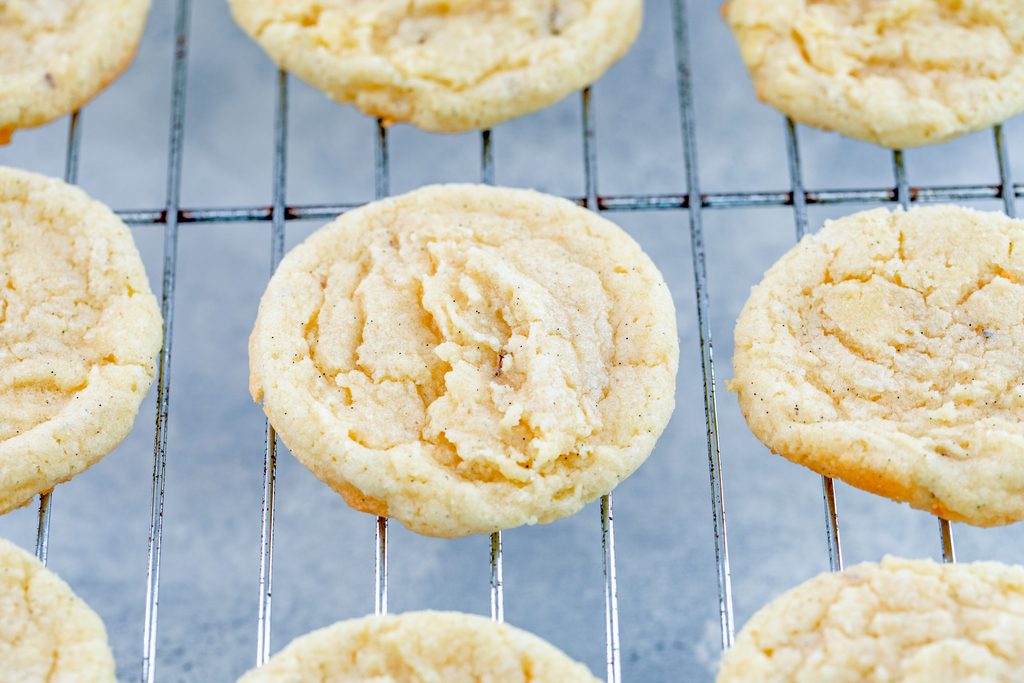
172,215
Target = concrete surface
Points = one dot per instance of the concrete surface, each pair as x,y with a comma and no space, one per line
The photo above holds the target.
324,571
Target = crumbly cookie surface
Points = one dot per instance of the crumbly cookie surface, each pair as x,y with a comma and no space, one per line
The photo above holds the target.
899,73
466,358
913,621
55,55
888,350
444,65
79,333
420,647
47,633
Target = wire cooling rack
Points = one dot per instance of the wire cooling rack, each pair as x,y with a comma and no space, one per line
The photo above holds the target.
172,215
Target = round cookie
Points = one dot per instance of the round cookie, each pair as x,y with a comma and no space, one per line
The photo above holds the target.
467,358
417,647
47,633
900,73
79,333
912,621
888,350
444,65
55,55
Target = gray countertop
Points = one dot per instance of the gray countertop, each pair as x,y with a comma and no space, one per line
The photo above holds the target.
324,551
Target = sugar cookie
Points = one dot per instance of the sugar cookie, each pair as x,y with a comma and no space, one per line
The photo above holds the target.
900,73
888,350
47,633
912,621
55,55
467,358
444,65
417,647
79,333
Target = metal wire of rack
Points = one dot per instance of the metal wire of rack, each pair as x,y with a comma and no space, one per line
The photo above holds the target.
70,176
172,215
382,182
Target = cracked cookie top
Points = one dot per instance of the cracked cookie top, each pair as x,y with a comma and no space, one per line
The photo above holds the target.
444,65
900,73
421,646
47,633
467,358
79,333
901,620
57,54
888,350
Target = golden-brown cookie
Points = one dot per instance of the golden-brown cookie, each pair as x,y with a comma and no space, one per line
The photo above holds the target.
444,65
912,621
79,333
47,633
888,350
55,55
420,647
899,73
467,358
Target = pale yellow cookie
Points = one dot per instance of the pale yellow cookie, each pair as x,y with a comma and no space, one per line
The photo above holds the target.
55,55
443,65
420,647
888,350
912,621
899,73
467,358
47,633
79,333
